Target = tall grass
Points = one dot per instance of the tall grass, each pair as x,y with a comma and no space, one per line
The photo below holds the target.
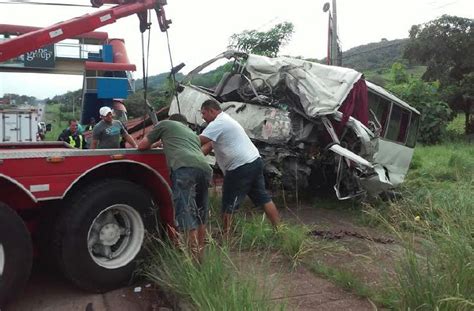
255,232
215,284
435,222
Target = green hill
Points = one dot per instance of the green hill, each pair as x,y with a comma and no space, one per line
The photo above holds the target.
373,59
374,55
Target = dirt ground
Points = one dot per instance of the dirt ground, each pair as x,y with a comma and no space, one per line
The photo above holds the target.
368,255
296,287
366,252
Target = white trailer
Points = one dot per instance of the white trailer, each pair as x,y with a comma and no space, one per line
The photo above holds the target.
18,125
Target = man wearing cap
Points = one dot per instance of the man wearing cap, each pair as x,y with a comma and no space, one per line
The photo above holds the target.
107,133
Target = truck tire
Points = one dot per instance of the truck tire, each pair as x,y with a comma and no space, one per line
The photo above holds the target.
101,234
16,254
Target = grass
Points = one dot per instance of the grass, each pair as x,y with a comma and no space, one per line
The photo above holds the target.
256,233
218,283
345,279
215,284
434,221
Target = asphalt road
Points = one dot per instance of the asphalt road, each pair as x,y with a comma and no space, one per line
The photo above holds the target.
41,112
49,291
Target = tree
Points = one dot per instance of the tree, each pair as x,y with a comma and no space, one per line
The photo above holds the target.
263,43
157,97
398,73
446,46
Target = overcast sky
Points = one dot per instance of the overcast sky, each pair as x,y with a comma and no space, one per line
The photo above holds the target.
201,30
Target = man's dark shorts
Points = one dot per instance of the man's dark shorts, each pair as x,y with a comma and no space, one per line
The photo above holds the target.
245,180
190,197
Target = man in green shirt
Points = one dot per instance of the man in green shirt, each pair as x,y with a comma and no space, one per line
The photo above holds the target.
190,177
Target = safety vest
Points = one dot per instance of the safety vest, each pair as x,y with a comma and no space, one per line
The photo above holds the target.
72,141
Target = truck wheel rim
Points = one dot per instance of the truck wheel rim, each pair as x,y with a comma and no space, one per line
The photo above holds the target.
115,236
2,259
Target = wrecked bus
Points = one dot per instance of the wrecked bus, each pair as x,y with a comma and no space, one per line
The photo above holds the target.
314,125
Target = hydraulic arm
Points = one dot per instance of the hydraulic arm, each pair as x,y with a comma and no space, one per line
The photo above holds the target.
36,39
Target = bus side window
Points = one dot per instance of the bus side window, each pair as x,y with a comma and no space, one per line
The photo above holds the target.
380,108
398,125
413,131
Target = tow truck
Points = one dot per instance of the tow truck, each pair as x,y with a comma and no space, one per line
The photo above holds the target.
87,211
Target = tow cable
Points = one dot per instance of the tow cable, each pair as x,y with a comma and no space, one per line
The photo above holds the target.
145,25
164,25
173,71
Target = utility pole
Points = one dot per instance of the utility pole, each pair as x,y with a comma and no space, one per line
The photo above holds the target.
337,59
334,51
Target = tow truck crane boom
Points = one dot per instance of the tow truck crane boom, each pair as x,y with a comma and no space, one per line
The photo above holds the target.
64,30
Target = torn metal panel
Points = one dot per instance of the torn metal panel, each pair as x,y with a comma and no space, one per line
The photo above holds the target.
350,155
190,100
367,139
320,88
395,158
377,182
266,124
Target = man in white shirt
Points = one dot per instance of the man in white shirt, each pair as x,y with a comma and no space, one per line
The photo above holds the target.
240,162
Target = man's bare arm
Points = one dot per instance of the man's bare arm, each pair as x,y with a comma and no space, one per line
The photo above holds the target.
130,140
93,144
206,148
158,144
204,140
144,144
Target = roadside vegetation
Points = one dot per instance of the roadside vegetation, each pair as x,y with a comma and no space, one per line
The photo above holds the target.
433,223
430,266
215,284
427,265
230,276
